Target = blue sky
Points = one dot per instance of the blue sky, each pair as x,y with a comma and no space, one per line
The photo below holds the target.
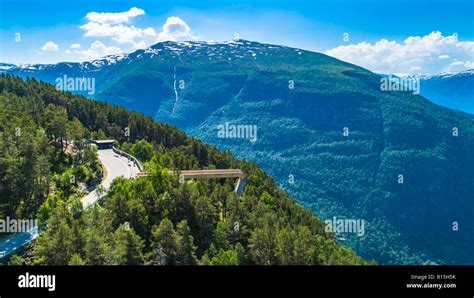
400,37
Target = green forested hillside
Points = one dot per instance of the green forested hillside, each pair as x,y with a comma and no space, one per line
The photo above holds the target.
326,132
149,220
302,103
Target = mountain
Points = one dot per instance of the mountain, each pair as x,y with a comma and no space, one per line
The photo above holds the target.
452,90
321,127
152,220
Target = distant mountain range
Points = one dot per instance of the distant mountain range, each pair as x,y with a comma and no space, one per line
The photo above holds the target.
452,90
322,127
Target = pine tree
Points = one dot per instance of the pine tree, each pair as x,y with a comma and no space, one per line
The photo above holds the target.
56,245
225,257
185,254
262,242
165,244
128,246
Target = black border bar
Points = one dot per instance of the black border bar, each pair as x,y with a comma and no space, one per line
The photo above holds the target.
221,281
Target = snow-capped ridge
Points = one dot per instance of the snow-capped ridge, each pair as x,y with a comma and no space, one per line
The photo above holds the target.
439,75
107,60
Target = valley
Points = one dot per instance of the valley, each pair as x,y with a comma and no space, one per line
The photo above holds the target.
323,122
160,218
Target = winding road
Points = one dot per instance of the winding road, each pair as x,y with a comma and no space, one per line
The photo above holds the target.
115,166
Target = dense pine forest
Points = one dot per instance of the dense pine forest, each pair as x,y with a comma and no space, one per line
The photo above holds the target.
154,220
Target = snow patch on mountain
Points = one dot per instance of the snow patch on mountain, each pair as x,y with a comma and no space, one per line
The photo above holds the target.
442,75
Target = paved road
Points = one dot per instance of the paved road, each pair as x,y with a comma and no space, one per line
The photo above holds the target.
115,166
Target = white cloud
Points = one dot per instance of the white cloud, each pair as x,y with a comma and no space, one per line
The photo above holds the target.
98,49
75,46
114,17
140,45
458,66
50,46
175,29
110,25
469,65
432,53
120,33
149,31
118,27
